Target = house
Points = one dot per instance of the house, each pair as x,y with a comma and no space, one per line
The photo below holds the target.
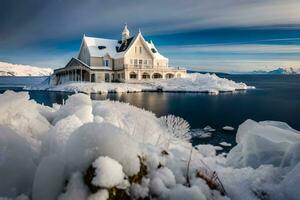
132,59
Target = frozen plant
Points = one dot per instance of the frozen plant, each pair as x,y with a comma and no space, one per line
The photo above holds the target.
177,127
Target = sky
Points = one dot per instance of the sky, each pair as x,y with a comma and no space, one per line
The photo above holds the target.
206,35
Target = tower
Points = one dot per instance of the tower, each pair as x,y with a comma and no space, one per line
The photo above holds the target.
125,33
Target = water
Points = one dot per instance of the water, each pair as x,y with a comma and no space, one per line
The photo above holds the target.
277,97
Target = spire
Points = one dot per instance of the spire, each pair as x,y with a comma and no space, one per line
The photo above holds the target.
125,33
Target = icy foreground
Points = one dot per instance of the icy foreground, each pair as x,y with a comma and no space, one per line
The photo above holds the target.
92,150
8,69
195,82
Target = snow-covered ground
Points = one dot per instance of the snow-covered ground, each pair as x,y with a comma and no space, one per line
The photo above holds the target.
195,82
86,150
9,69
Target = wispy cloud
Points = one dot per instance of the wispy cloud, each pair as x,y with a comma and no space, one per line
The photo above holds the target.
233,48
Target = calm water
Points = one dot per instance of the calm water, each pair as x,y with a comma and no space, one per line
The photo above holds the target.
277,97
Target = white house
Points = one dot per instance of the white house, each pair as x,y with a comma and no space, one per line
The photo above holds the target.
132,59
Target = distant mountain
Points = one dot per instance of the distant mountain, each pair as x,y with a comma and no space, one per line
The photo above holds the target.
204,72
279,70
9,69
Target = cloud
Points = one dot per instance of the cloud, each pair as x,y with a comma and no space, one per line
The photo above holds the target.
24,22
233,48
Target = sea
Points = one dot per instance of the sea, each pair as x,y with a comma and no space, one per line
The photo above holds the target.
276,98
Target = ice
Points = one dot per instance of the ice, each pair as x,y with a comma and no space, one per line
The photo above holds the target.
109,173
264,143
218,148
199,133
228,128
225,144
195,82
49,157
209,129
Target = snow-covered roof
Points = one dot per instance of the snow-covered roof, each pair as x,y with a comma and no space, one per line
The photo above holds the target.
93,45
99,47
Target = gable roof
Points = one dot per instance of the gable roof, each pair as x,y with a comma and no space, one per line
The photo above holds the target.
99,47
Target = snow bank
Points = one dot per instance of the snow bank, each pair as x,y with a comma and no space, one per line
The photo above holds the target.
195,82
8,69
86,150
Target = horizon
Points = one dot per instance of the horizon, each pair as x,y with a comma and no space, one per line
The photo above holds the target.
229,36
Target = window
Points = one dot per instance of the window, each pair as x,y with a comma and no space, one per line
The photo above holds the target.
140,50
106,63
135,61
145,62
140,62
132,75
131,61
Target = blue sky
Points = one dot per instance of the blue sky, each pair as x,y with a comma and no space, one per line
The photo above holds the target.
209,35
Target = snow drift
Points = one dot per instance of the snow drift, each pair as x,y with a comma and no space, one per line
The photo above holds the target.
8,69
103,149
195,82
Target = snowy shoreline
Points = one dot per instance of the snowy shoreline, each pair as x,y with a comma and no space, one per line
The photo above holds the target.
191,83
69,152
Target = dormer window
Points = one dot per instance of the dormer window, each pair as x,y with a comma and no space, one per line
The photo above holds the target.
101,47
153,50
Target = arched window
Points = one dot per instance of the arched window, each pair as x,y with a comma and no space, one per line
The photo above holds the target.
133,75
169,75
146,76
156,75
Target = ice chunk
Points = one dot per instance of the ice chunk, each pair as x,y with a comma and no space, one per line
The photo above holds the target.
225,144
209,129
290,184
109,173
264,143
199,133
228,128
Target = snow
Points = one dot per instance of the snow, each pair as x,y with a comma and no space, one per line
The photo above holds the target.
228,128
109,173
9,69
195,82
124,143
